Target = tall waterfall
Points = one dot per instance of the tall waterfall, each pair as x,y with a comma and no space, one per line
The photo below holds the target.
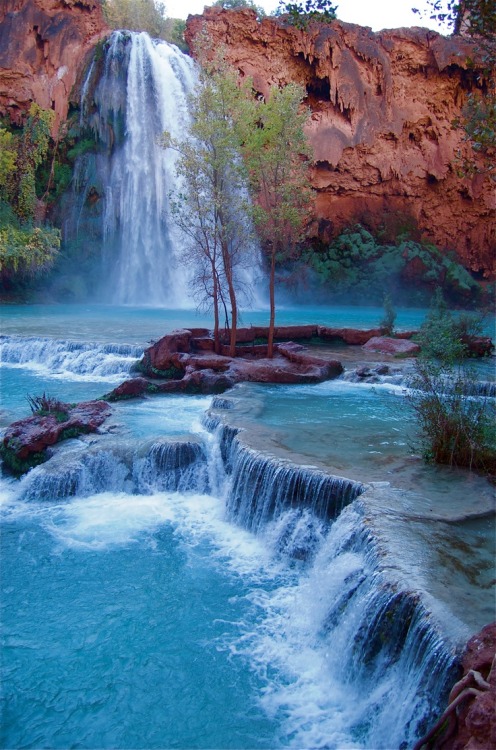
139,90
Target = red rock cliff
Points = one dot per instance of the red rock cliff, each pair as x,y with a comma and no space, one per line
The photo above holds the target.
42,47
381,125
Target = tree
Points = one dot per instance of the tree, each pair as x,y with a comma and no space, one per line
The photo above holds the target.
236,4
276,151
211,207
300,14
137,15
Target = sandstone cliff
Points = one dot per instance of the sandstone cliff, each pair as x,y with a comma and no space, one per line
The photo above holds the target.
382,109
42,47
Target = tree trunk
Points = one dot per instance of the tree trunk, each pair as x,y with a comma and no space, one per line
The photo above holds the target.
270,341
215,292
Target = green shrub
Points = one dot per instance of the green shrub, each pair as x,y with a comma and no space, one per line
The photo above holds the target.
357,265
455,428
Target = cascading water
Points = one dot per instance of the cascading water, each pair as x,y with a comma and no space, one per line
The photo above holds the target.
140,91
120,209
168,584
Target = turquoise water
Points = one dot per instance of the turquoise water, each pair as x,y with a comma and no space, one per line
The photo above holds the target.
146,619
119,615
137,325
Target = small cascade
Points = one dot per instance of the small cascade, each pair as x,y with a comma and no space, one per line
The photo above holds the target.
174,466
338,629
59,356
81,475
383,644
263,487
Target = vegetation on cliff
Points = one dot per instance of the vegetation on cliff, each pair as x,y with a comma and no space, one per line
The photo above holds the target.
145,15
300,14
27,245
359,265
476,19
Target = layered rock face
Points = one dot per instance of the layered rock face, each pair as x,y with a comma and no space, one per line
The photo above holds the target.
42,47
382,107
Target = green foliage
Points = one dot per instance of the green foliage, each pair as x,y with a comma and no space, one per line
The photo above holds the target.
8,154
357,265
455,428
19,466
236,4
24,250
20,157
476,17
212,200
276,153
174,33
300,14
137,15
45,405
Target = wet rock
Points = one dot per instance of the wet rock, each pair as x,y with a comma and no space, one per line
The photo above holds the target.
25,441
295,353
160,358
469,721
388,345
478,346
129,389
352,336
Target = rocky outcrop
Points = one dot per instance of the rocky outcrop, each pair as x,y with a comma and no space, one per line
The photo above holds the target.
181,361
382,107
469,722
25,441
389,345
43,44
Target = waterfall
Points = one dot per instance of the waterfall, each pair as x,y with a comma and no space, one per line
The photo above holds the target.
128,100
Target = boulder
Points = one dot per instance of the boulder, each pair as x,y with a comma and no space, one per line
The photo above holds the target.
160,356
25,441
296,353
478,346
388,345
129,389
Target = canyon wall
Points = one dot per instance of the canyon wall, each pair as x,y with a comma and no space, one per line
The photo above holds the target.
43,44
382,107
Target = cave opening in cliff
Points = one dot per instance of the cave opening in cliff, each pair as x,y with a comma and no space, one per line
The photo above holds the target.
318,90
